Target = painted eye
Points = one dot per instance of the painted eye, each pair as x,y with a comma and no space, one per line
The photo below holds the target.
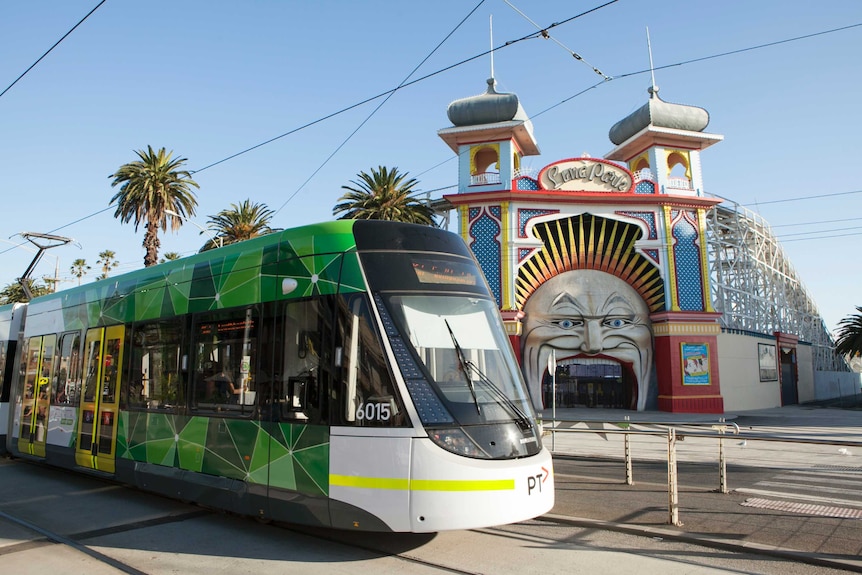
566,323
617,322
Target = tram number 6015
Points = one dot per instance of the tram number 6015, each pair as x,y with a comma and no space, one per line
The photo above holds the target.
373,412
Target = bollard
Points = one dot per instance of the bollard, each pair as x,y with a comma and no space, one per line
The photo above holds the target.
672,493
628,455
722,460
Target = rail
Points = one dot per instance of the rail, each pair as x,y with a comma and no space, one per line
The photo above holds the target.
672,433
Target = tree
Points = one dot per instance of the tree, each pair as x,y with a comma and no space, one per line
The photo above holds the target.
849,341
241,222
384,195
108,261
79,269
14,293
150,188
169,257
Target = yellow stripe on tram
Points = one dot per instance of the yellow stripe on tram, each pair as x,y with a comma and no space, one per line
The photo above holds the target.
395,484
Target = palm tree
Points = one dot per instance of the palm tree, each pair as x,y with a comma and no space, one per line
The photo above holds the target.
79,269
151,187
108,261
14,293
384,195
241,222
169,257
849,341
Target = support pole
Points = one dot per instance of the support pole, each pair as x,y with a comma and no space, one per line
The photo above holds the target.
722,460
628,455
672,492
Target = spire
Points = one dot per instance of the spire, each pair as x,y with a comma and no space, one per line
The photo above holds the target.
653,89
491,26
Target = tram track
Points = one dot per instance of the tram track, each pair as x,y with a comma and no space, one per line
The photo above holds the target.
75,540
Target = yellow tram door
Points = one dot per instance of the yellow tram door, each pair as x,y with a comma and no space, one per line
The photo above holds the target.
36,398
96,443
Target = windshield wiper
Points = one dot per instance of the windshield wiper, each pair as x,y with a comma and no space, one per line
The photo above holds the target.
520,417
462,361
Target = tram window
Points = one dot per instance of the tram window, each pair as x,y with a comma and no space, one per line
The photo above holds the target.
225,362
4,346
157,380
67,383
365,394
43,392
301,375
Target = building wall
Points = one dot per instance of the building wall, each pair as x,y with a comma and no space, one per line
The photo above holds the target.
739,366
835,384
805,373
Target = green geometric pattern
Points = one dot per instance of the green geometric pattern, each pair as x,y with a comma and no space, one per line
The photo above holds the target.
318,258
288,456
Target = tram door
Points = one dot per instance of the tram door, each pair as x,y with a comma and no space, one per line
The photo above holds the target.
97,415
36,398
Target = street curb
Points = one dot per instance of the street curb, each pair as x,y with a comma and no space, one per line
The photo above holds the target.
706,541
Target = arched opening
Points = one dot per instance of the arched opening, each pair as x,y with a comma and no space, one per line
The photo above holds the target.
485,165
678,171
485,157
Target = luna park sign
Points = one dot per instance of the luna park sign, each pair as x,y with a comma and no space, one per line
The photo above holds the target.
585,175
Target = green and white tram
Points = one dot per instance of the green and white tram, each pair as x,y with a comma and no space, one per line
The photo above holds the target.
351,374
10,326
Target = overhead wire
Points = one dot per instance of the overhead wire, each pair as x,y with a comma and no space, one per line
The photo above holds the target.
404,85
380,105
547,36
57,43
508,43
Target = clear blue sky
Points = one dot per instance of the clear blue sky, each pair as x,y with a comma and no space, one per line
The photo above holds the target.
209,79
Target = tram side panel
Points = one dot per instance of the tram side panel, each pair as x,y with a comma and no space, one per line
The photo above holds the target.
11,317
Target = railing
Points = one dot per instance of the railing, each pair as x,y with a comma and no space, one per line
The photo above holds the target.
679,183
485,178
671,434
644,174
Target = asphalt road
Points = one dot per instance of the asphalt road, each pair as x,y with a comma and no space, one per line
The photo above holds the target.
68,524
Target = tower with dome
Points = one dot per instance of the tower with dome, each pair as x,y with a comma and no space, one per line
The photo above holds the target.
603,266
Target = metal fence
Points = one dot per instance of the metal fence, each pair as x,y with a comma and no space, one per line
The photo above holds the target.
708,442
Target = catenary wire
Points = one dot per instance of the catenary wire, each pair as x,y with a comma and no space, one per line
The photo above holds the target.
545,35
404,85
732,52
815,197
380,105
57,43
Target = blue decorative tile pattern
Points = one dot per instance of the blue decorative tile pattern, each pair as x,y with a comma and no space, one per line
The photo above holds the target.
646,217
525,216
524,253
485,231
526,183
652,254
686,253
645,187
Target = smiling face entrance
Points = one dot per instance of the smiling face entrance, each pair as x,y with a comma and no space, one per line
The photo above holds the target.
592,315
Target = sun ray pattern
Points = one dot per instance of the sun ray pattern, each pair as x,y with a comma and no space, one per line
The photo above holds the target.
590,242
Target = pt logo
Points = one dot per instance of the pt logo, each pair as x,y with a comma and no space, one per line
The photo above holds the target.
535,482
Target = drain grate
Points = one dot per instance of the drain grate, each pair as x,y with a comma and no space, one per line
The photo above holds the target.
806,508
839,468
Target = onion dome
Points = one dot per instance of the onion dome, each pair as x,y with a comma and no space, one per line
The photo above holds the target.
488,108
658,113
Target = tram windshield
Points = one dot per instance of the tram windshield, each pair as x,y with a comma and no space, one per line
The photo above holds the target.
461,344
452,348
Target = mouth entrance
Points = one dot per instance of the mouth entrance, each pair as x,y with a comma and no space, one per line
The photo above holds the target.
591,382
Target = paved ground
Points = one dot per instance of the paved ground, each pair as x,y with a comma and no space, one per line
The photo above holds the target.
784,526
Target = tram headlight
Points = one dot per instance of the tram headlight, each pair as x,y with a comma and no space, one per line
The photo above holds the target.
455,440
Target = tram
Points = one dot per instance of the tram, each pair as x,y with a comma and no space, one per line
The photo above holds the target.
10,326
348,374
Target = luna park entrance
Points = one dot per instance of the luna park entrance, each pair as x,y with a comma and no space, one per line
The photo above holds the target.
602,385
